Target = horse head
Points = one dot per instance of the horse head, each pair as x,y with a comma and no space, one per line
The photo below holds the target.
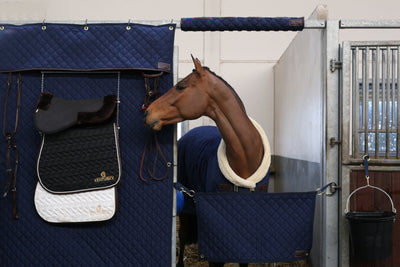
187,100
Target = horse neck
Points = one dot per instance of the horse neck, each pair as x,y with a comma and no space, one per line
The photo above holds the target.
244,147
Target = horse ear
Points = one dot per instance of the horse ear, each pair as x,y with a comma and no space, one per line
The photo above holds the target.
197,64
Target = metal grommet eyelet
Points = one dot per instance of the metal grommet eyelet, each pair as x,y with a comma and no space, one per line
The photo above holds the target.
86,27
1,28
171,28
44,25
128,28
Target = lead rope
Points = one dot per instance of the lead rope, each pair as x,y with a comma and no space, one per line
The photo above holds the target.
11,145
152,141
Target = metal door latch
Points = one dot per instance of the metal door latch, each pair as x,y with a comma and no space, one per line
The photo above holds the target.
335,64
333,141
333,187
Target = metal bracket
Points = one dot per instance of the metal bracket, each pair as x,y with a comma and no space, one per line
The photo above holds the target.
333,141
335,65
333,187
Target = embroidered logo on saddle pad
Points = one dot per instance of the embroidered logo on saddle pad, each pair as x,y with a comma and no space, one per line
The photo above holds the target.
103,177
101,211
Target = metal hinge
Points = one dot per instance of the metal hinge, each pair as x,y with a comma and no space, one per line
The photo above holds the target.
335,65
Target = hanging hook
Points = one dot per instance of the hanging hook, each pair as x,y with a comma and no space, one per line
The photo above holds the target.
128,27
86,27
44,25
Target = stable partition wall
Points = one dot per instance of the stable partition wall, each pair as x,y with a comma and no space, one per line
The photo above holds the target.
299,123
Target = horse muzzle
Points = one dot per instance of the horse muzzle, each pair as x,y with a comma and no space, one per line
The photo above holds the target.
150,122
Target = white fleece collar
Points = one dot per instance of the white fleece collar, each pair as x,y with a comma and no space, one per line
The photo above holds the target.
258,175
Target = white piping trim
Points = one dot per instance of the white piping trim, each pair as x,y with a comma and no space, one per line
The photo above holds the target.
258,175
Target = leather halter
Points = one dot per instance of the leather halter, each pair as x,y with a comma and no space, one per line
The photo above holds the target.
11,145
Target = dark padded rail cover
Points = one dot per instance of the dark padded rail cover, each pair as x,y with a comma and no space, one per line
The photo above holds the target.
242,24
140,233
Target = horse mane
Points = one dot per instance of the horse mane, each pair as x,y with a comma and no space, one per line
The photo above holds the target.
229,86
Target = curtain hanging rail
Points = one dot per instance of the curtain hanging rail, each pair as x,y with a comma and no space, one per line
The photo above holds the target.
370,24
79,72
308,24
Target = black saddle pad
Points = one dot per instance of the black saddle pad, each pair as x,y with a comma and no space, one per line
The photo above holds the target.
79,159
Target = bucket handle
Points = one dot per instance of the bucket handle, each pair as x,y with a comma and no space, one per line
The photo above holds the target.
365,186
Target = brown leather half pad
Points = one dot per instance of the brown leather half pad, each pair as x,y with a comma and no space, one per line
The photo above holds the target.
103,114
63,113
44,101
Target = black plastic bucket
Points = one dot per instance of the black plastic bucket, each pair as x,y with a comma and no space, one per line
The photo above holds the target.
371,233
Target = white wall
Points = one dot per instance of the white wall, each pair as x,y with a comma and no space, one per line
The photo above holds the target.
244,59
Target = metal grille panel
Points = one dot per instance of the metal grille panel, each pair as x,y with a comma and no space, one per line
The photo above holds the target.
375,113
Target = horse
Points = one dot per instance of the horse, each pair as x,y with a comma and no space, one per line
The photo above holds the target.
234,155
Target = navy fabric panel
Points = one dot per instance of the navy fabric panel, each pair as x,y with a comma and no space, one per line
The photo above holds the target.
102,46
242,24
255,227
141,231
198,167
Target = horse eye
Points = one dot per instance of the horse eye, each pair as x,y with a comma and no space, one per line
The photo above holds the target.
179,87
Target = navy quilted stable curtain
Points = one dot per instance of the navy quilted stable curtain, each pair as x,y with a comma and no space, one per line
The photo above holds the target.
88,59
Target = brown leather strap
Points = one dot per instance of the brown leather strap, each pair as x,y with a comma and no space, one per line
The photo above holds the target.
151,170
151,93
11,145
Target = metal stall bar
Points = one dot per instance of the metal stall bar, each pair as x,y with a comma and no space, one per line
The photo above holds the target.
393,93
387,104
365,88
398,105
383,81
370,24
356,97
375,88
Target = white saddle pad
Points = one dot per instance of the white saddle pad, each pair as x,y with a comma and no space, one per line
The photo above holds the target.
91,206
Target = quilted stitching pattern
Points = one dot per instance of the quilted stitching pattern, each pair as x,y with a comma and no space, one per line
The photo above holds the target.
242,24
140,232
254,227
102,46
98,205
71,159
